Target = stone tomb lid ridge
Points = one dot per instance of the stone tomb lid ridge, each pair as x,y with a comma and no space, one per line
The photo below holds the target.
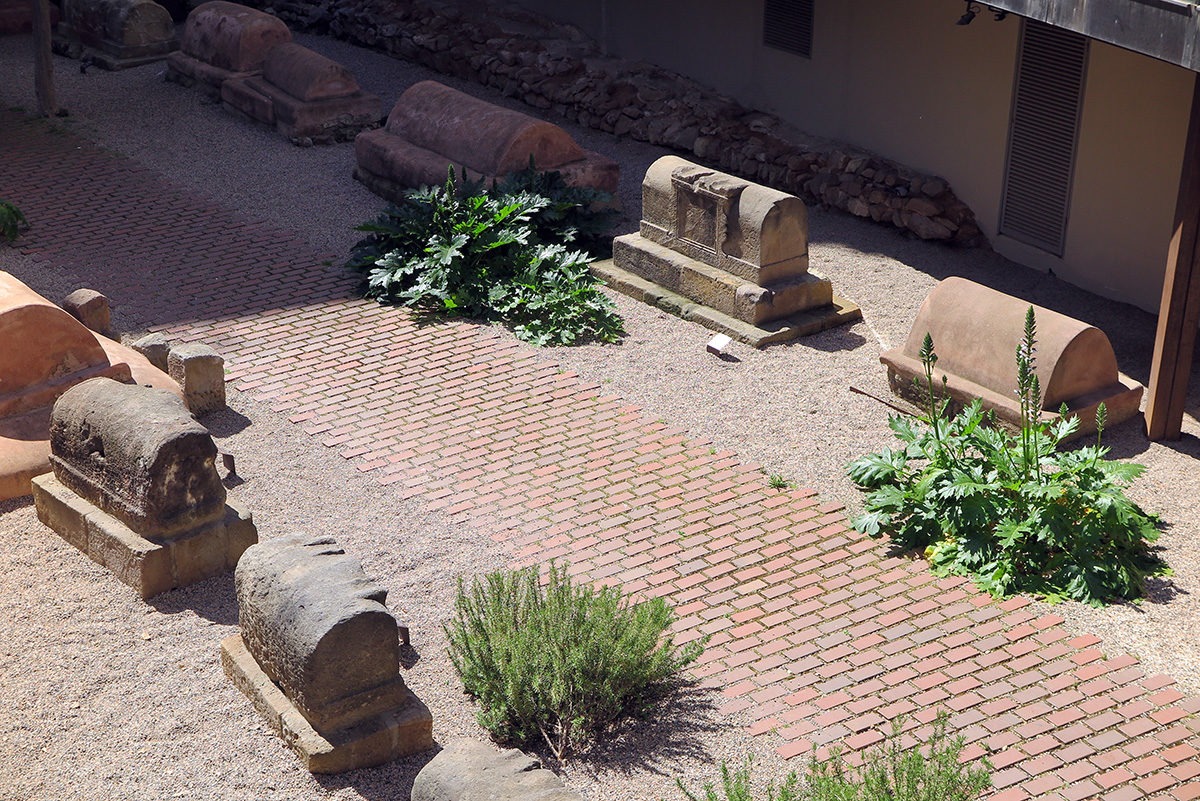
318,627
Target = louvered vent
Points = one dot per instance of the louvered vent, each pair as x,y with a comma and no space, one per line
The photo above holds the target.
1041,145
788,25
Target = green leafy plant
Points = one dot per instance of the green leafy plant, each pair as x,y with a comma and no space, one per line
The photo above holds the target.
1012,511
11,221
776,481
888,772
576,215
562,662
490,254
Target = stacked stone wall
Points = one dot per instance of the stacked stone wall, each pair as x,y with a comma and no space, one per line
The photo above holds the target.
555,68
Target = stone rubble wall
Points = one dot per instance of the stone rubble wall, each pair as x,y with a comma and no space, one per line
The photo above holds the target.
556,68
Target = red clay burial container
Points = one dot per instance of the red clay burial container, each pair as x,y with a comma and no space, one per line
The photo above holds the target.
433,127
224,40
303,94
976,331
46,352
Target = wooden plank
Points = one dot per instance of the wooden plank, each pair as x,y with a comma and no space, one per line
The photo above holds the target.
1179,310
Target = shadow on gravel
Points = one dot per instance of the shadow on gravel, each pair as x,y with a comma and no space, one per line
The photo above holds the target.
225,423
388,782
213,600
1159,590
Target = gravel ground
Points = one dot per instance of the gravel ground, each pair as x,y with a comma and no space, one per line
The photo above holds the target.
110,697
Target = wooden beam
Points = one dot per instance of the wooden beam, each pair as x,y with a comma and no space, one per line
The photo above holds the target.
43,64
1179,310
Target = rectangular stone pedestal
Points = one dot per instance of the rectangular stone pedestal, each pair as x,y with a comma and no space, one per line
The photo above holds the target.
403,731
150,568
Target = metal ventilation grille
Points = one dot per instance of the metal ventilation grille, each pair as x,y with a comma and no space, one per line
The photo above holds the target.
1042,138
788,25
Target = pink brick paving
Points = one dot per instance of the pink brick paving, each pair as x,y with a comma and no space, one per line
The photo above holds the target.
816,635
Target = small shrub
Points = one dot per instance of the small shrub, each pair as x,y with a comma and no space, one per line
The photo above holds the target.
888,772
11,221
559,663
490,254
1011,511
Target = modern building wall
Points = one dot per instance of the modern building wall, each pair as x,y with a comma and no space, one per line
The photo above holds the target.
903,80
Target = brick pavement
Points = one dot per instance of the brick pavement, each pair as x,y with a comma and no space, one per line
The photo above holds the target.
816,636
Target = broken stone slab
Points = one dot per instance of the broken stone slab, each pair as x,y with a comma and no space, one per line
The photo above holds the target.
200,372
433,127
90,308
139,455
116,34
304,95
46,352
156,348
319,656
976,331
729,245
223,40
135,487
466,770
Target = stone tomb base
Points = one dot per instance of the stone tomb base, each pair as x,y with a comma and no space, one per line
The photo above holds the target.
838,311
408,730
151,568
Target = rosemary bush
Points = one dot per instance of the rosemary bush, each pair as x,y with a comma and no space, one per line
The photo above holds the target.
498,253
888,772
11,221
560,663
1011,511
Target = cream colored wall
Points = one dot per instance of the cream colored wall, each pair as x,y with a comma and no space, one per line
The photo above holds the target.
901,79
1132,135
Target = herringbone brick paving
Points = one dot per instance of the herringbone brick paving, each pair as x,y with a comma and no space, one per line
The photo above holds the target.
815,634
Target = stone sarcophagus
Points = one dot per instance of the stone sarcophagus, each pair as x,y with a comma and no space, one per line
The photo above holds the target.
319,656
304,95
735,252
433,127
976,331
116,33
224,40
46,351
135,487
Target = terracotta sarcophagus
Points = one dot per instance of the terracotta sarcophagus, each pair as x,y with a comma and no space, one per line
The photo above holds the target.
223,40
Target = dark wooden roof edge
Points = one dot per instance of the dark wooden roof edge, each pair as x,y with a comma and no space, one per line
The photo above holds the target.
1168,30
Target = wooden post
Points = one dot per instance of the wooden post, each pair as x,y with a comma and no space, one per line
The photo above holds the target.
1179,310
43,72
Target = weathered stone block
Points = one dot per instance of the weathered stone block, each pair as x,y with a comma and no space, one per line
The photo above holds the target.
90,308
116,33
200,372
433,127
976,331
156,348
303,95
137,453
151,568
732,246
317,628
223,40
466,770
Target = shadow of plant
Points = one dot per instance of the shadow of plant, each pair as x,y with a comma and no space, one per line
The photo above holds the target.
672,729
